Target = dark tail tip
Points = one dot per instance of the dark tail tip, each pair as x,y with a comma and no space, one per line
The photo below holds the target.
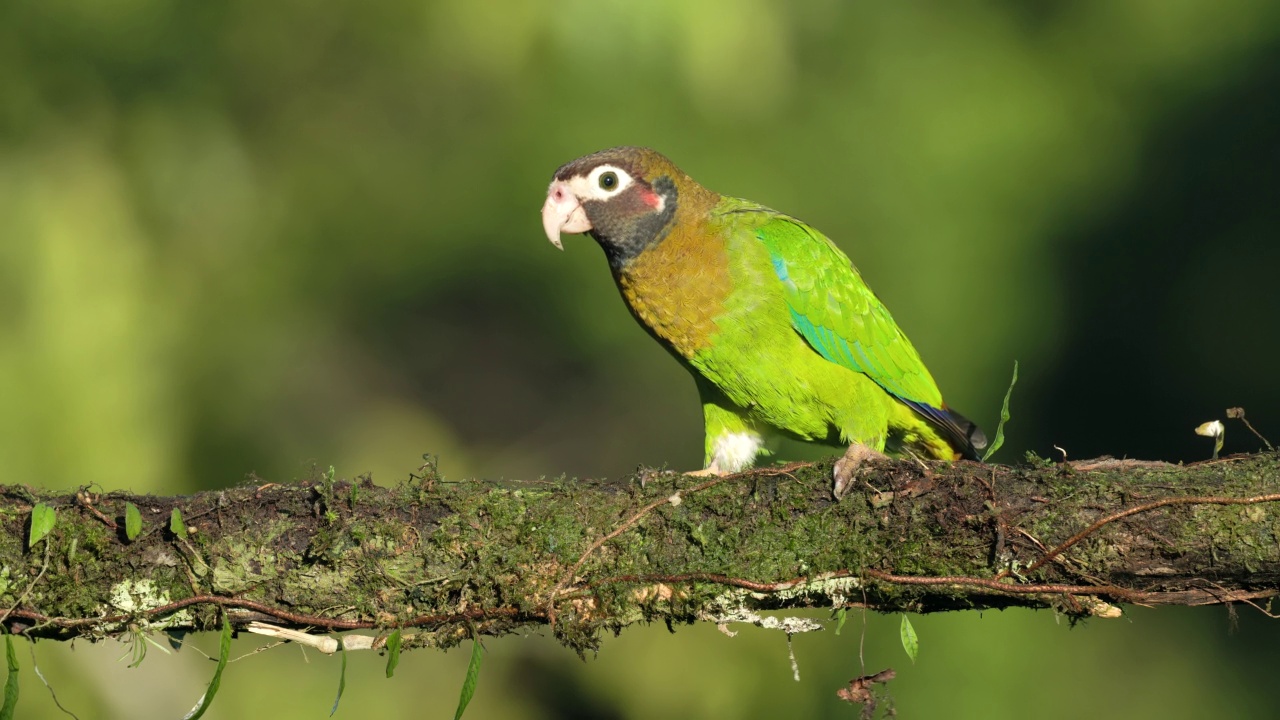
960,432
967,437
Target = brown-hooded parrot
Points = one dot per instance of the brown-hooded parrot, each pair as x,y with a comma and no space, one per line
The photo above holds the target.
779,330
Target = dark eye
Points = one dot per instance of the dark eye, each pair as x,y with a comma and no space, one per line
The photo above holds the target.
608,181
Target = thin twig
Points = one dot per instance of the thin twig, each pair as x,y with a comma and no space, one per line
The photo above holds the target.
48,545
83,499
1165,502
773,587
1120,464
295,618
1245,600
35,666
1237,413
1028,589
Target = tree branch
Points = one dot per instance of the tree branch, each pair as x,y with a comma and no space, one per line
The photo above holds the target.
589,556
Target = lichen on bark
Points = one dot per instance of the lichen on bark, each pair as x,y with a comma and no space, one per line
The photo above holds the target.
456,558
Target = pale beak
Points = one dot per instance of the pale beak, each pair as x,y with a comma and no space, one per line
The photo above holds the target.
563,213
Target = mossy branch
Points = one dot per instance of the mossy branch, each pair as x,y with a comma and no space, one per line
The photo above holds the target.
587,556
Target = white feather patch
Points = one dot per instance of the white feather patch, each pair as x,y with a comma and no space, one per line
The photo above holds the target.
588,187
735,451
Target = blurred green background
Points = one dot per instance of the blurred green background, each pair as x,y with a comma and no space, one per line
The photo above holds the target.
243,236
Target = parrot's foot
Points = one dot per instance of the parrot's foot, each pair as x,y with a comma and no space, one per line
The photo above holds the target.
847,467
712,471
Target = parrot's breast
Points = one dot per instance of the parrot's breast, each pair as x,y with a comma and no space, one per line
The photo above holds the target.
677,288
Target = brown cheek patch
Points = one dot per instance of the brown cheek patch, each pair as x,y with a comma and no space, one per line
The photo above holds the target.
635,200
615,213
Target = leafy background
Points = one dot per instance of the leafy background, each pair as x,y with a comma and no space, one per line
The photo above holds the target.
242,236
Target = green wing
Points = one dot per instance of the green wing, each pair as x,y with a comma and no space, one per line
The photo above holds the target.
835,311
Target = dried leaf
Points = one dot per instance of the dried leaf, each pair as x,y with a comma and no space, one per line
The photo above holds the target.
859,690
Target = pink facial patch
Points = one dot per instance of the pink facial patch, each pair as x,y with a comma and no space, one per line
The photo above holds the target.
651,198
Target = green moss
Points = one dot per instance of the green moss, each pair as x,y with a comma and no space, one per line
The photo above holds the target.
427,547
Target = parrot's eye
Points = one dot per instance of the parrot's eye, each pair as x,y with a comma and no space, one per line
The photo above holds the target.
602,183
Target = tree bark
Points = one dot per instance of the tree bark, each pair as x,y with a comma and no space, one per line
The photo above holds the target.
587,556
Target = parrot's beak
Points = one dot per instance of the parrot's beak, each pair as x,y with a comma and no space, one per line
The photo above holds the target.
563,213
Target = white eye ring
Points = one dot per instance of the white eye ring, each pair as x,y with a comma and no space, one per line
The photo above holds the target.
602,183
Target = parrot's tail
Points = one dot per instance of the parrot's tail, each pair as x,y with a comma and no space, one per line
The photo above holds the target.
972,440
961,433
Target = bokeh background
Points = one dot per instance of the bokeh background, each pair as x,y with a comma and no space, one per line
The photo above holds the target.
252,236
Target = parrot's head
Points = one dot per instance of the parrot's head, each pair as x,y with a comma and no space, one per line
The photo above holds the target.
625,197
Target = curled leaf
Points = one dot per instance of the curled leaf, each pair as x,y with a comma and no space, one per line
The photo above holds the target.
1212,429
1215,430
1004,417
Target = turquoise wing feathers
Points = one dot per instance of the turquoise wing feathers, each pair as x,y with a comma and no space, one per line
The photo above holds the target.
835,311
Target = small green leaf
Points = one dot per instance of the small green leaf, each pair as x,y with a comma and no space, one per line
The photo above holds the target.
909,641
132,521
42,519
342,679
177,525
1004,417
11,682
393,652
224,652
841,614
469,684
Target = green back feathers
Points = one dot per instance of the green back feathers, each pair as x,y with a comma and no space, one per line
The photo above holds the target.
843,320
834,310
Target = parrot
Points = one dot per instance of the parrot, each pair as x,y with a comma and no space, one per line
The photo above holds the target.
782,336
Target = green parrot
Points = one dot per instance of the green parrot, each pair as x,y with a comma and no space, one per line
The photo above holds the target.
781,334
